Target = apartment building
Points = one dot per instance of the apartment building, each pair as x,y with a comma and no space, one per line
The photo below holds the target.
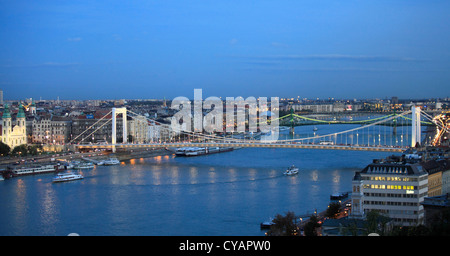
51,130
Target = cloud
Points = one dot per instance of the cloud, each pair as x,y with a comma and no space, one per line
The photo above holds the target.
325,69
42,65
74,39
233,41
338,57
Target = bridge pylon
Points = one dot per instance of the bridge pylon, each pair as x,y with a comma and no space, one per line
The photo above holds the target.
292,126
115,112
415,126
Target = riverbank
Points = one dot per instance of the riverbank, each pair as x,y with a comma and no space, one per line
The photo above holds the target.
122,156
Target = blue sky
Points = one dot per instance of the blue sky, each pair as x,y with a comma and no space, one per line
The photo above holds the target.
155,49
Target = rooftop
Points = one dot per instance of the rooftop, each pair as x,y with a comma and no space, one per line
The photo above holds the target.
393,168
439,201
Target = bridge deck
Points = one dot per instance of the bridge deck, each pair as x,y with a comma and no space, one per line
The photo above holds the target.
244,145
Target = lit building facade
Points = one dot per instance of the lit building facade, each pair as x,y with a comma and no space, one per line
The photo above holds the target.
394,190
13,133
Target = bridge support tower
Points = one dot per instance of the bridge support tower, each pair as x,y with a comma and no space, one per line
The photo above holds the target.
415,126
292,126
115,112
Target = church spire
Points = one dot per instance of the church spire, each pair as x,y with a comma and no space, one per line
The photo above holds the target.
6,113
21,113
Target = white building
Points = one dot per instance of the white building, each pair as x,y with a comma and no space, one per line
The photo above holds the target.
315,108
394,190
138,129
13,133
154,132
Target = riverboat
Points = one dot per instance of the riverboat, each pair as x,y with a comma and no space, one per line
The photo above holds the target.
267,224
28,170
86,165
338,197
111,161
198,151
68,176
291,171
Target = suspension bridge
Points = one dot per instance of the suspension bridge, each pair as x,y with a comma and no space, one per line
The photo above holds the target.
393,133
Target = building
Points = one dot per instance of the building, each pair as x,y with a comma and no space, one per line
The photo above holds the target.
435,208
50,129
446,181
91,128
434,169
154,132
138,129
314,108
395,190
13,133
41,131
438,169
61,128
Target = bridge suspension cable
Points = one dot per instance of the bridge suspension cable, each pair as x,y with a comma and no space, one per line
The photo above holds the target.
351,130
93,125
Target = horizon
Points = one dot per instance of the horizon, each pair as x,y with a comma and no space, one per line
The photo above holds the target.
222,97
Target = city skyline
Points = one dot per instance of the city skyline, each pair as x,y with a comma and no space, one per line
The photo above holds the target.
160,49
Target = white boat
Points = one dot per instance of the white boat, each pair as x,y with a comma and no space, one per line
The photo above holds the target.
181,151
1,177
68,176
111,161
315,128
291,170
86,165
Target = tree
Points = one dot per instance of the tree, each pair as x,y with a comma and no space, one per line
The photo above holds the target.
376,223
311,226
332,210
283,225
4,149
21,150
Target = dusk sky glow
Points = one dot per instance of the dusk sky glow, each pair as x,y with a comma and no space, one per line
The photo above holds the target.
287,48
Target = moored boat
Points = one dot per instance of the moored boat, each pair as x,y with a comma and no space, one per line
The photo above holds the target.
28,170
85,165
267,224
111,161
198,151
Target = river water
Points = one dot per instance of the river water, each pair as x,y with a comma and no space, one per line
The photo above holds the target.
220,194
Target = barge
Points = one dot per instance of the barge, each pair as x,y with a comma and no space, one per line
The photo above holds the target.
197,151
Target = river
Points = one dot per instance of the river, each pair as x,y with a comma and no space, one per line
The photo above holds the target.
220,194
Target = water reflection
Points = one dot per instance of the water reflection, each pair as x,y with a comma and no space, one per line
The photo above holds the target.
212,177
193,175
314,175
49,211
232,174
